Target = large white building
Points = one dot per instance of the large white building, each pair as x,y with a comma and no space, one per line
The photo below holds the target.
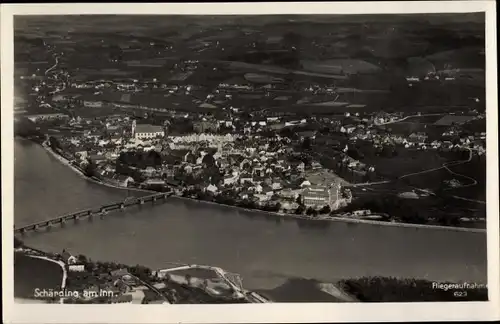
146,131
320,196
316,197
44,117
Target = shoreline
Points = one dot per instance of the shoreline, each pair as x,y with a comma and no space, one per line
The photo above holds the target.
64,161
339,219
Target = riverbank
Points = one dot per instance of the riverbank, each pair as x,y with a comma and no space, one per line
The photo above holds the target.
269,213
85,177
153,287
338,219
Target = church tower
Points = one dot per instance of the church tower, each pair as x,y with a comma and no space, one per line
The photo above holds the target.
134,123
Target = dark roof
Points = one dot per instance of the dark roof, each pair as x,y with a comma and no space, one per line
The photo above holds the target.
307,133
146,128
65,255
240,80
119,272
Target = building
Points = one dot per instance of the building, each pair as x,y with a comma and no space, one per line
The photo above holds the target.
316,197
205,126
68,258
44,117
146,131
92,103
288,194
122,180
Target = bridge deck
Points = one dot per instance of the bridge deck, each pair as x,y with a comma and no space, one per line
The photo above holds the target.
90,212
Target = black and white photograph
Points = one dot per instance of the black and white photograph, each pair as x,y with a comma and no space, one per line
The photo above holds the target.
250,158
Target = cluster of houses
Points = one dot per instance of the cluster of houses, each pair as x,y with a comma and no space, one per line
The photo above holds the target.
258,167
116,286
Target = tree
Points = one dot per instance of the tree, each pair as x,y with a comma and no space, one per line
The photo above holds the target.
188,279
325,210
208,160
91,169
54,143
300,210
277,207
306,143
82,258
140,272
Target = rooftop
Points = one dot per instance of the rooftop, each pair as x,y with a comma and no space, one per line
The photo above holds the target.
147,128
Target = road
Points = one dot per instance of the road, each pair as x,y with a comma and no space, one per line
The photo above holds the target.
51,69
444,166
405,118
53,66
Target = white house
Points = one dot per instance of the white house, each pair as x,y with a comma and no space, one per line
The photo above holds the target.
93,104
146,131
228,180
211,188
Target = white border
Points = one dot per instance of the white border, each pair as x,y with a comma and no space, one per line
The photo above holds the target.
281,313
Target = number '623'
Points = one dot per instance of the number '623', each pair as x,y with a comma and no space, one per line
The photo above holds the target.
459,294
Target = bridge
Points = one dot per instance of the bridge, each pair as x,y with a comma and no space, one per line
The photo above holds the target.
89,213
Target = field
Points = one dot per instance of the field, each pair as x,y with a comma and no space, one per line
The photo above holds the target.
432,180
413,125
476,170
407,161
339,66
449,120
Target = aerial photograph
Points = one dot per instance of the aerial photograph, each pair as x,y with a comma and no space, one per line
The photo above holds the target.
223,159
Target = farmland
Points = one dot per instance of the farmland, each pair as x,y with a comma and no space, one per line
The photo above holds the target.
407,161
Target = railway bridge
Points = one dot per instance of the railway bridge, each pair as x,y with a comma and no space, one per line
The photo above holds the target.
89,213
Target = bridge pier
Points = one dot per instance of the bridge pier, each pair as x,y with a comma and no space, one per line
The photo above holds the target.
90,213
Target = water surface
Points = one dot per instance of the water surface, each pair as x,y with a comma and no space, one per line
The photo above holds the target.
264,250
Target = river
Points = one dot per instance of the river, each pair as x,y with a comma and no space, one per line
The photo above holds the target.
263,249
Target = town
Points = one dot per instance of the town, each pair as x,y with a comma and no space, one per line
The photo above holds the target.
230,143
255,162
317,158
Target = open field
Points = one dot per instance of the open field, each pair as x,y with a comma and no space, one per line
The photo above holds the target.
339,66
407,161
414,125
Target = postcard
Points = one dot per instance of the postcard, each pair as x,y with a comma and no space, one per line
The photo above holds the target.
326,161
